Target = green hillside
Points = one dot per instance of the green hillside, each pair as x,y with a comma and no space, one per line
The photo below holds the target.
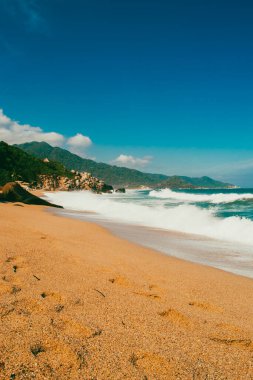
117,176
15,164
205,182
175,182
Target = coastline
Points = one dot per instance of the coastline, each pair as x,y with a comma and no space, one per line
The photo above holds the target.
193,248
78,302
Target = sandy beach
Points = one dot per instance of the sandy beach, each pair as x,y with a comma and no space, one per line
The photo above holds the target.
79,303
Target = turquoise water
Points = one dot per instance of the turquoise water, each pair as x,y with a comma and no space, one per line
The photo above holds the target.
222,202
242,207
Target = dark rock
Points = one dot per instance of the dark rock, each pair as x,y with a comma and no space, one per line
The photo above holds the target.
106,188
13,192
120,190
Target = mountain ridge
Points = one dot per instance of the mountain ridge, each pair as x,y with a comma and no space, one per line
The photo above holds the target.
115,175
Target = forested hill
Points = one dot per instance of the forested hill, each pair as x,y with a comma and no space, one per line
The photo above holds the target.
117,176
15,164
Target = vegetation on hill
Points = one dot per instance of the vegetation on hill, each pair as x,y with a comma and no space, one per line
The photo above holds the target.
205,182
175,182
117,176
184,182
15,164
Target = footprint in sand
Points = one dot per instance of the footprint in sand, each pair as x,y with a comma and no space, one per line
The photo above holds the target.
175,317
231,335
51,296
206,306
55,351
148,295
153,287
122,281
226,327
13,264
151,364
73,328
54,299
11,260
119,280
241,343
152,293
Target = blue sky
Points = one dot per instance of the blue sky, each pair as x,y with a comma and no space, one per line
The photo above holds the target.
158,85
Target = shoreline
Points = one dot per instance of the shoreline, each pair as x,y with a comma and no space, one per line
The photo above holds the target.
78,302
198,249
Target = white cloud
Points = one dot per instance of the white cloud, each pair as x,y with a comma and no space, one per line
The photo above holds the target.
13,132
78,143
131,161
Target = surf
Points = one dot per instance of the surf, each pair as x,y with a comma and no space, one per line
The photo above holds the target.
186,218
214,198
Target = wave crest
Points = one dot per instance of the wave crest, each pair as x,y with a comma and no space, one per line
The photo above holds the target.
189,197
183,218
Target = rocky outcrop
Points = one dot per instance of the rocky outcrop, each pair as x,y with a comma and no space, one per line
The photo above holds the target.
79,181
120,190
13,192
106,188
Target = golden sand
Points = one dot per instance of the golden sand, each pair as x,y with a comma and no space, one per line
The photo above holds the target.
79,303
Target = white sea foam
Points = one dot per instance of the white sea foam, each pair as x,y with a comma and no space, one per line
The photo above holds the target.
184,218
190,197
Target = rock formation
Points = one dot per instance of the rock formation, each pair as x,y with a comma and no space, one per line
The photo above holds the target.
120,190
79,181
13,192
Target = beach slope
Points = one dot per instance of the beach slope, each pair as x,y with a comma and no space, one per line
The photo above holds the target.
79,303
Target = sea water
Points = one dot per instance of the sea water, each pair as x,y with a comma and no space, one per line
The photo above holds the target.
213,227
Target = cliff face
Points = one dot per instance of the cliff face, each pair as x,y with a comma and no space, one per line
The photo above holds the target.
80,181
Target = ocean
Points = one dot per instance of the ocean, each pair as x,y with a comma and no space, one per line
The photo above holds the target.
211,227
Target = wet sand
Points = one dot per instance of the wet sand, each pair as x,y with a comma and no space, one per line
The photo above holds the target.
77,302
231,257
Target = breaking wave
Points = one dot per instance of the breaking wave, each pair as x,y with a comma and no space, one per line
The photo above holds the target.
185,218
190,197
